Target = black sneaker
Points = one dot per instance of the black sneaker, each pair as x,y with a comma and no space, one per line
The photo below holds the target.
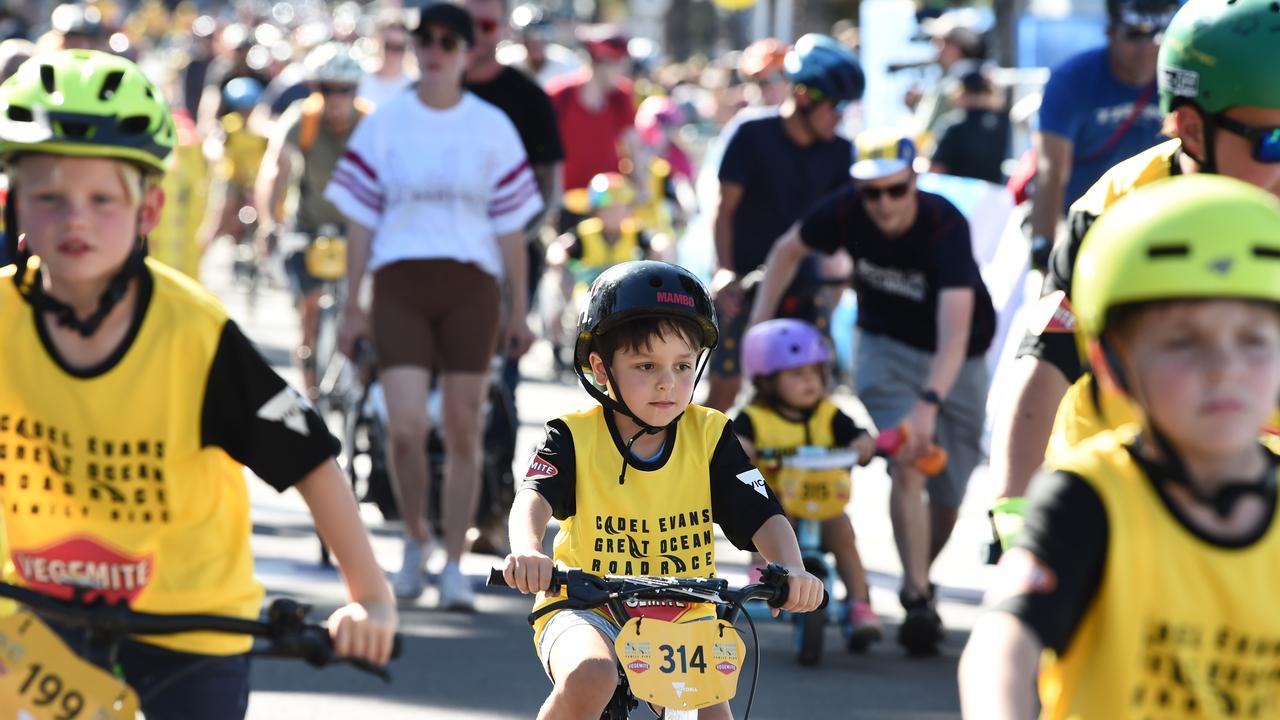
921,629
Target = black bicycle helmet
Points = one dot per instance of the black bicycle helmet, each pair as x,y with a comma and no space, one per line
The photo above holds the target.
634,290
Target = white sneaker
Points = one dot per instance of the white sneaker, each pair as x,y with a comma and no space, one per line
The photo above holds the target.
410,581
455,590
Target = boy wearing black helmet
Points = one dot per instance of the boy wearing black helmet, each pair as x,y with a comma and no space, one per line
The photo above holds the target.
637,482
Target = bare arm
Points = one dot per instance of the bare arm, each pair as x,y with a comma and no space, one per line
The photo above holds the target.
1024,424
997,669
955,312
527,568
776,541
1053,170
359,243
515,260
780,268
722,223
955,315
365,627
273,180
550,180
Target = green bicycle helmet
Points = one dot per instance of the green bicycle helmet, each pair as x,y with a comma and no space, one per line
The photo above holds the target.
1220,53
1188,237
85,103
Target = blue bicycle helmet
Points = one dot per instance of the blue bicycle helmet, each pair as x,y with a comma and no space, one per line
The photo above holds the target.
242,93
826,69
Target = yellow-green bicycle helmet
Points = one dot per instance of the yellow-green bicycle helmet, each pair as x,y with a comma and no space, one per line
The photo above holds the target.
85,103
1186,237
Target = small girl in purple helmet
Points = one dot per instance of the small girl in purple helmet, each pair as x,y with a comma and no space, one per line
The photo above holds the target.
787,362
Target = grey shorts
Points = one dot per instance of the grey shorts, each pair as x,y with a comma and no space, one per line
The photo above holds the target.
562,622
889,376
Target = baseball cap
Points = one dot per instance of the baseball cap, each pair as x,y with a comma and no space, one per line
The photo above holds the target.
604,41
882,152
957,26
451,17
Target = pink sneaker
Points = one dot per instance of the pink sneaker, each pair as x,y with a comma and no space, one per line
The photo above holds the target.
863,626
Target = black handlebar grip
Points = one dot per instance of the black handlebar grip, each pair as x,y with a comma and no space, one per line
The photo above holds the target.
496,579
780,598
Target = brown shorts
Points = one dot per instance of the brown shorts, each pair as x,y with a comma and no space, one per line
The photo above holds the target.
440,315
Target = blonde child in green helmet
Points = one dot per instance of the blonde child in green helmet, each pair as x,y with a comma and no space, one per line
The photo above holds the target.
1145,578
132,402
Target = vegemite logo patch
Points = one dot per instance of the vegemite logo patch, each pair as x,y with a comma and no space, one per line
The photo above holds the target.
540,469
638,666
82,562
1052,314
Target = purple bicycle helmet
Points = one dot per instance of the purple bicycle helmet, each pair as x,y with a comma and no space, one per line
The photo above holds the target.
782,344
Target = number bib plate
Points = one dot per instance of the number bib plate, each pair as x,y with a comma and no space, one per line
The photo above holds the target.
813,494
681,666
41,679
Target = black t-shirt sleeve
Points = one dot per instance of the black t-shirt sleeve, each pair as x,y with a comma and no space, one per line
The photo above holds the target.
1066,532
251,413
954,252
844,429
1059,348
553,471
823,226
949,139
735,164
741,500
743,427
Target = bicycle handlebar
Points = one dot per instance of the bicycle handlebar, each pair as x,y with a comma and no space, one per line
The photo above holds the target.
596,591
285,628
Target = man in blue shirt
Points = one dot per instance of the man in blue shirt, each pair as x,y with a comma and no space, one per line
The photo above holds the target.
1099,107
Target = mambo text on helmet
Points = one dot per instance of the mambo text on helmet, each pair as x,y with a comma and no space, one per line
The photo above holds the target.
675,298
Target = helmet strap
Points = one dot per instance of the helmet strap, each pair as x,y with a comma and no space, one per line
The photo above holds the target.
619,405
32,290
1209,163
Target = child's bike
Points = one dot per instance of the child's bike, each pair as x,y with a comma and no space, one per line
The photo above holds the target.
681,667
43,679
814,485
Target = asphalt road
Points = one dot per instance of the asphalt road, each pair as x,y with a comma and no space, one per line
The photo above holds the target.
482,665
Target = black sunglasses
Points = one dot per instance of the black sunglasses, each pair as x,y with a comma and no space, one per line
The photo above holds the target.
448,41
327,89
1265,140
897,191
1134,33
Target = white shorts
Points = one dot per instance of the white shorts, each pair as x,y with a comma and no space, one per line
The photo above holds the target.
563,621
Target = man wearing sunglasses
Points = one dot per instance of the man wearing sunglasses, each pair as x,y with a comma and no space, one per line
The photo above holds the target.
1217,85
1098,108
777,163
925,320
529,108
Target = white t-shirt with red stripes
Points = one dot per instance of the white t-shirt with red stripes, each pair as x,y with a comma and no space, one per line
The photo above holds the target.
436,184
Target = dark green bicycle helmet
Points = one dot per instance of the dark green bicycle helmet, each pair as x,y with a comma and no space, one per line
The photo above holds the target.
85,103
